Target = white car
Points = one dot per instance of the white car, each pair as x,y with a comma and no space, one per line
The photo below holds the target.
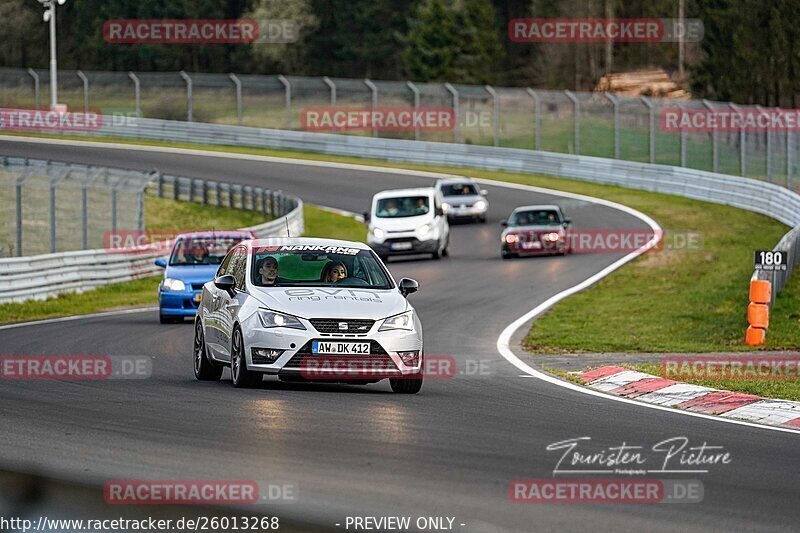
308,310
463,199
408,221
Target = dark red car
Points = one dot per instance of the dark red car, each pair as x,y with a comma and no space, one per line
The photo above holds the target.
535,230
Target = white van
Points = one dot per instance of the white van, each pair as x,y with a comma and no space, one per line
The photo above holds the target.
408,221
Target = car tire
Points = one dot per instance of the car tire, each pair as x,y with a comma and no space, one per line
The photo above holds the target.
407,385
204,368
241,377
483,219
446,251
507,255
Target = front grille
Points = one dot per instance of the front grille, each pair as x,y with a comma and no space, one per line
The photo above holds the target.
376,355
197,286
333,325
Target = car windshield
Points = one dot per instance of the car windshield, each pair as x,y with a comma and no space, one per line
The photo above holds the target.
536,217
317,266
202,250
459,189
404,206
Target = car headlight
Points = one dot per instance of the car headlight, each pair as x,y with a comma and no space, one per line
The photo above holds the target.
480,204
423,230
552,237
273,319
511,238
378,233
402,321
171,284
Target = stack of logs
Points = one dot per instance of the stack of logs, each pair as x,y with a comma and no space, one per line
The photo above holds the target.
642,83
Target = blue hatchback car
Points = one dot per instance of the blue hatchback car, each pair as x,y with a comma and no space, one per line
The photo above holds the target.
194,261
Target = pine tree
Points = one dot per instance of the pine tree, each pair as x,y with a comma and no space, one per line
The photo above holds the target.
432,43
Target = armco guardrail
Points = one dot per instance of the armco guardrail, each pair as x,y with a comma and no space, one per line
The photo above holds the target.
754,195
47,275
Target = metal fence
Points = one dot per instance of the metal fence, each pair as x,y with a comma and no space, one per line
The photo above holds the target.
54,207
593,124
47,275
50,207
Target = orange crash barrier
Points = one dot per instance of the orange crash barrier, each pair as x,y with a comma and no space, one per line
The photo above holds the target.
758,312
758,315
755,336
760,291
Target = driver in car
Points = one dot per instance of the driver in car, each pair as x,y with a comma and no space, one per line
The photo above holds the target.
198,255
268,271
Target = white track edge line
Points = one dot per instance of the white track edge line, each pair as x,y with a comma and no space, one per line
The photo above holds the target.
77,317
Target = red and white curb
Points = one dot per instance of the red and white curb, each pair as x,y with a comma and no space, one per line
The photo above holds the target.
668,393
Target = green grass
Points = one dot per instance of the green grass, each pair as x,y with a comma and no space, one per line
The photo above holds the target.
130,294
666,301
788,389
165,215
168,215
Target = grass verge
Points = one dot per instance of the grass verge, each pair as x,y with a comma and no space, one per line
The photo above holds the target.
672,300
167,215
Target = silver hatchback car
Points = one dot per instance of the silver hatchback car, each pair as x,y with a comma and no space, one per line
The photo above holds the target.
308,310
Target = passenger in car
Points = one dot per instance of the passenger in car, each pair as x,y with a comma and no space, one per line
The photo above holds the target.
333,271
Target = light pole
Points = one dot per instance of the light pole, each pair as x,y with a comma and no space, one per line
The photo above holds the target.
50,16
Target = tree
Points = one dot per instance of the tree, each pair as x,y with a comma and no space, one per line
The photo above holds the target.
432,43
290,56
481,52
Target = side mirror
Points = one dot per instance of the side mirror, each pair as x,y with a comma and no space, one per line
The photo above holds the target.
504,223
439,211
484,192
567,222
407,286
366,216
161,262
226,283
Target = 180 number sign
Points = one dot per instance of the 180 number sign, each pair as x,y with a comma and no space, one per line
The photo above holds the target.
771,260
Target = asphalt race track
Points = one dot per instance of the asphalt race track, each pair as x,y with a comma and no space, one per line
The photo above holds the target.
449,451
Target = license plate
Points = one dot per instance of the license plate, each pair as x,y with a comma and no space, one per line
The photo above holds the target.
401,246
339,348
535,245
197,297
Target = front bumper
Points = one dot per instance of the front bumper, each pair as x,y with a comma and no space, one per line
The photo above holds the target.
405,246
178,303
297,360
456,212
552,248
